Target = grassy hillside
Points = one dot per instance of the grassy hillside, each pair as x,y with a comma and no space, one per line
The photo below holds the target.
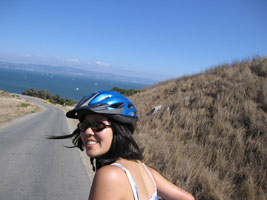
209,136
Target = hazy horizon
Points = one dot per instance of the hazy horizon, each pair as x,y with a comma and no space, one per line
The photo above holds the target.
152,38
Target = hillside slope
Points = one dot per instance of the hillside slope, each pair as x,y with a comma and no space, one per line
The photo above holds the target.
12,107
209,136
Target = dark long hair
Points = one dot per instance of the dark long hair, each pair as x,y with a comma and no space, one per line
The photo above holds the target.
123,145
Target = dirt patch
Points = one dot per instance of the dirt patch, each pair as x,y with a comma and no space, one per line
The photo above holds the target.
12,107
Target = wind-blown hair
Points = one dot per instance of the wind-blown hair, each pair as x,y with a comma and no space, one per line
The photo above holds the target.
123,145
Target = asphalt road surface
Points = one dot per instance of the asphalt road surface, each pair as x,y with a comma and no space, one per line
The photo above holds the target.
35,168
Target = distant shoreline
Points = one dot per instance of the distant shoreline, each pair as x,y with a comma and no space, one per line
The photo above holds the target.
16,81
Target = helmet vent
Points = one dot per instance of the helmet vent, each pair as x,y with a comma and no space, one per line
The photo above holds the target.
130,106
117,105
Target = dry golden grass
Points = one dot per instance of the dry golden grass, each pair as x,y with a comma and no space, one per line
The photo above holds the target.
12,107
209,137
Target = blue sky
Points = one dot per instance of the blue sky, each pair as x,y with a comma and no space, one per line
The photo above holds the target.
154,38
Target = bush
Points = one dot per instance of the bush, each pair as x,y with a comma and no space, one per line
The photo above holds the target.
24,105
125,92
43,94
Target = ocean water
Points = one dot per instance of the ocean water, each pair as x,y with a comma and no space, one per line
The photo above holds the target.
16,81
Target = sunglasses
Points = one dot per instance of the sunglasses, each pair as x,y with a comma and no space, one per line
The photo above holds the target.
95,126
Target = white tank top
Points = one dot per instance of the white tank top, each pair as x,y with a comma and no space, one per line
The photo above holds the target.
133,185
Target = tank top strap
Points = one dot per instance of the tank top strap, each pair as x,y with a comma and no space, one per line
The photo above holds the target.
131,180
155,194
150,175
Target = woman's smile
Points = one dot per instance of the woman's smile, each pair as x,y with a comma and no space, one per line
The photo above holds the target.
91,143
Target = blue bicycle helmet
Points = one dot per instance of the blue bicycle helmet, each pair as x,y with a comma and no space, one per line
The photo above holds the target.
111,104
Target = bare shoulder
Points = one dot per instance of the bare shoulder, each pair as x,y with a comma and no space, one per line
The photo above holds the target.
109,179
109,173
154,173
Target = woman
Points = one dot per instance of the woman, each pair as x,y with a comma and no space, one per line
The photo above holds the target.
107,123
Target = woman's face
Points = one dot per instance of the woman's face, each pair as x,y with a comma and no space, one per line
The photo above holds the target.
96,143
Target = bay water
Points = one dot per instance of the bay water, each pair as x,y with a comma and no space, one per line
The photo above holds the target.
66,86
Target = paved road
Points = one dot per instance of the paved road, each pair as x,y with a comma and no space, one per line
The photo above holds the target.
35,168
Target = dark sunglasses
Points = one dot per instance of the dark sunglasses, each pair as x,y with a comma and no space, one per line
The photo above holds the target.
95,126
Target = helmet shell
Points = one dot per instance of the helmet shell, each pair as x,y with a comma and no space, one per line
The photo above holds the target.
111,104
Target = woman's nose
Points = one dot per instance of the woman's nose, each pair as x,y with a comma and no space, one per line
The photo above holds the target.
89,131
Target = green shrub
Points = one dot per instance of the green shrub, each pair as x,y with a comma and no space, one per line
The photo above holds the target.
125,92
24,105
43,94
